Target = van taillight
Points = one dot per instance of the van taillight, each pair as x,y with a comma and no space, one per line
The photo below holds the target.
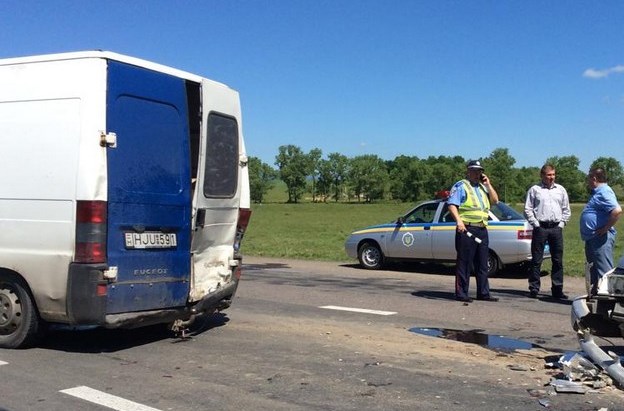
244,215
90,232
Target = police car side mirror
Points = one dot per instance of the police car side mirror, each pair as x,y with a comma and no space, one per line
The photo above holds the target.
400,220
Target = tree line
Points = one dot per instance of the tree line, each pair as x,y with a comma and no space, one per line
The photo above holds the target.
369,178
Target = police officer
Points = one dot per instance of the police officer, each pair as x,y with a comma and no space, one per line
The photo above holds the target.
469,203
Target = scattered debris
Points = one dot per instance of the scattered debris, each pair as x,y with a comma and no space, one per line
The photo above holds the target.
599,313
569,386
537,393
607,361
577,367
552,365
578,375
378,384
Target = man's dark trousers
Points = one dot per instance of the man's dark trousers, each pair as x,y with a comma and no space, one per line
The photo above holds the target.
469,254
554,237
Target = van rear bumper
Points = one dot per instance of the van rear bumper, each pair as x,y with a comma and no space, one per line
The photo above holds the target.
86,307
217,300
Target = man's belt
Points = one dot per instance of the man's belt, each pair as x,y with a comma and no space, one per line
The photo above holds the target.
475,224
549,224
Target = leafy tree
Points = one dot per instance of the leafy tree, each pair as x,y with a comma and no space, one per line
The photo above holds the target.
612,167
524,178
444,172
261,177
403,183
325,180
409,179
314,159
498,167
293,169
338,168
412,179
419,184
368,177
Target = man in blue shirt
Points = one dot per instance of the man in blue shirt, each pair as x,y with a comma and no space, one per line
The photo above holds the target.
599,216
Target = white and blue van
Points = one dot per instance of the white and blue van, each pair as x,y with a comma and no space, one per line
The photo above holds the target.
124,194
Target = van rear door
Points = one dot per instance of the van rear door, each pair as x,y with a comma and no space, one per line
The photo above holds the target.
217,193
149,194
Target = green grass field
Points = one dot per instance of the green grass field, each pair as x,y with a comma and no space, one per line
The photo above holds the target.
317,231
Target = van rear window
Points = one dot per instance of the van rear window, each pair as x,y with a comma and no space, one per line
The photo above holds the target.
221,173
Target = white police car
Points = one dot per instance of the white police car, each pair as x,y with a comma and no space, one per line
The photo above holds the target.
427,233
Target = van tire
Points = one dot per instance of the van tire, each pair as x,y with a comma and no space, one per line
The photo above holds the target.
20,324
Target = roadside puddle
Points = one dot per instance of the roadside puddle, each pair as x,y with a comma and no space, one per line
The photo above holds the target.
493,342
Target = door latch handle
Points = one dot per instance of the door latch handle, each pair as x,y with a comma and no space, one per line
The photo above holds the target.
200,219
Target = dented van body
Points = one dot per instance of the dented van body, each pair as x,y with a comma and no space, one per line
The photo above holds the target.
124,193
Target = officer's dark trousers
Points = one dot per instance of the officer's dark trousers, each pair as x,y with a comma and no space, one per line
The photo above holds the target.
554,237
471,254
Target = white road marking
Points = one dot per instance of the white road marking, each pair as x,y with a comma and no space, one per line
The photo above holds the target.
358,310
107,400
3,362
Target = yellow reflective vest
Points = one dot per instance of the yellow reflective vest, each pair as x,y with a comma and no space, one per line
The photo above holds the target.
472,210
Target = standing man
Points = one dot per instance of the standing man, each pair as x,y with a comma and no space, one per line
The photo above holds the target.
599,216
547,208
469,203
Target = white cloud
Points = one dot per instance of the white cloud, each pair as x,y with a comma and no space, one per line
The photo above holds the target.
596,74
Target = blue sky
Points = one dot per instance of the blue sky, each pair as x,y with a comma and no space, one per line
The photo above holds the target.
419,78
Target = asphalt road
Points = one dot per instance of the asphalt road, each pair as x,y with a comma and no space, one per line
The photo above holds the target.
289,343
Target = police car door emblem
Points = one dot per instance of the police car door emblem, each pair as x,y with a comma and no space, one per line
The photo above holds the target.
408,239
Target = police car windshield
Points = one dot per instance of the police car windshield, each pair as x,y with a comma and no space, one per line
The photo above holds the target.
505,213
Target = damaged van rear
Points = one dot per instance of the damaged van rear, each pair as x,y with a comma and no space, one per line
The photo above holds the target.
600,313
124,194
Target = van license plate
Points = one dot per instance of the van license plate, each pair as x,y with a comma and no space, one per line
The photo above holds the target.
150,239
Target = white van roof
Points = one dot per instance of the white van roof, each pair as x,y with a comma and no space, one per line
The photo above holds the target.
110,56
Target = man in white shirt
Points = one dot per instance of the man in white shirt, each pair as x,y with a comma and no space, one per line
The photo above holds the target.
547,208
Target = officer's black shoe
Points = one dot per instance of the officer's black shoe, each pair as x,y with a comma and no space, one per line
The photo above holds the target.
488,298
464,299
557,292
533,294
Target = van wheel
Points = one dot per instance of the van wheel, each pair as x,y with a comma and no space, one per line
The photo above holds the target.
493,265
19,321
370,256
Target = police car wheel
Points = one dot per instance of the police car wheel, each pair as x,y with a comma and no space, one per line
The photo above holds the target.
19,321
370,256
492,264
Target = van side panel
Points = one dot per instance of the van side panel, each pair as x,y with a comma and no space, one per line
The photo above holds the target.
48,115
149,180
